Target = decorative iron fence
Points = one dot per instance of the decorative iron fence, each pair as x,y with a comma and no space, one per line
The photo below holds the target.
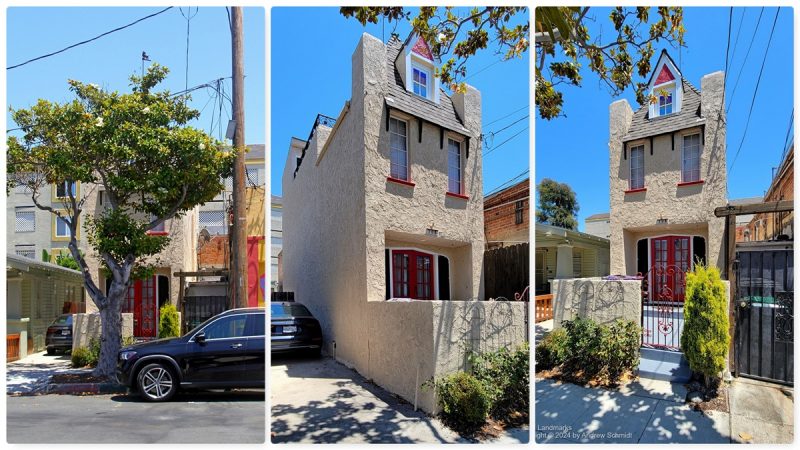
663,291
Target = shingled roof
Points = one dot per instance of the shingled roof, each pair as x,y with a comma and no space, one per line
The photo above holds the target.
442,114
689,116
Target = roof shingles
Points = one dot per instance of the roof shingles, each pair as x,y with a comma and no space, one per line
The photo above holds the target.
442,114
689,116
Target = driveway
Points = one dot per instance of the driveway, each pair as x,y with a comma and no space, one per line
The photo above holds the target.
31,374
321,401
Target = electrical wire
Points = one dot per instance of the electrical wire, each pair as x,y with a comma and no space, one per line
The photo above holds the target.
736,41
755,91
188,16
504,142
507,115
88,40
739,75
506,183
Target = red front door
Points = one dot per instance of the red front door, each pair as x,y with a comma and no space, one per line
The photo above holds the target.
142,302
670,259
412,275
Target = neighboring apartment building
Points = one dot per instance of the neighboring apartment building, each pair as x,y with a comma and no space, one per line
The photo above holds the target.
668,173
743,233
773,226
506,216
383,207
598,225
276,241
30,230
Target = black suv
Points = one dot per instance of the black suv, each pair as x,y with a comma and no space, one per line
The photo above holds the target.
225,351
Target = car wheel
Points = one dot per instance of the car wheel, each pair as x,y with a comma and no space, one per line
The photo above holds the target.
157,382
51,351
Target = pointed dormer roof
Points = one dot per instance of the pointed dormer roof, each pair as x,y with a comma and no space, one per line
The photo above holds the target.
644,125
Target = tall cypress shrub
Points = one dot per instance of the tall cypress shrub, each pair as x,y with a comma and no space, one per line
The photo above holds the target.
705,337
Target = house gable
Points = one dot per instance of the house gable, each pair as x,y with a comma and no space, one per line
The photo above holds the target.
667,87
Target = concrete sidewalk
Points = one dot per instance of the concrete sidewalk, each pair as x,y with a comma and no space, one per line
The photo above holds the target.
30,375
654,411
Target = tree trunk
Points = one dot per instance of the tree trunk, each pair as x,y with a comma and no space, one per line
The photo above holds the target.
111,334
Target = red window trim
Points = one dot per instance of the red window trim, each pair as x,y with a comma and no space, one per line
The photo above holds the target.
633,191
453,194
412,272
690,183
158,233
399,181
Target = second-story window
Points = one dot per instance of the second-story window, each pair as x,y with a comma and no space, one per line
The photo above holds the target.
519,211
158,229
454,167
637,167
399,149
63,189
690,169
62,227
24,220
420,82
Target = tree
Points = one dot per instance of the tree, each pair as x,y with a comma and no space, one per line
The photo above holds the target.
705,338
150,164
557,204
457,36
613,61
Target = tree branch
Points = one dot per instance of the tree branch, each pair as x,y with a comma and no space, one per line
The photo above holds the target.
172,212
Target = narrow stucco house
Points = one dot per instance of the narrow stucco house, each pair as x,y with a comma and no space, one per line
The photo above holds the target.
383,221
667,174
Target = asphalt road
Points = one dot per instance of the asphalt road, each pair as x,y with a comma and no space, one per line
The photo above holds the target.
206,417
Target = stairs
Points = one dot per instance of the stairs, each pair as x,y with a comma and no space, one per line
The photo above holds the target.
663,365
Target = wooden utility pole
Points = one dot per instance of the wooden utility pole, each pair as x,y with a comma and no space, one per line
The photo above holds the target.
238,234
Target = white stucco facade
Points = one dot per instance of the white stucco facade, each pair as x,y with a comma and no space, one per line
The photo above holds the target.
342,215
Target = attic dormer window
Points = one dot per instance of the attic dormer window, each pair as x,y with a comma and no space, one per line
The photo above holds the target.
666,86
665,102
420,81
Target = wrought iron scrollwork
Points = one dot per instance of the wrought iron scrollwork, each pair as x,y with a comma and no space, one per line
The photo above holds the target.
784,316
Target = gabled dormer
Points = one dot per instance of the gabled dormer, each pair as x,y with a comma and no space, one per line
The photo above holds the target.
666,84
417,67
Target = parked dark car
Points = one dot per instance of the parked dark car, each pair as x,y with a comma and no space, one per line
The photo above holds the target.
294,328
225,351
59,334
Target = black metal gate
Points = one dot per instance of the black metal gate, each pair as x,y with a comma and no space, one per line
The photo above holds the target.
663,288
764,334
200,309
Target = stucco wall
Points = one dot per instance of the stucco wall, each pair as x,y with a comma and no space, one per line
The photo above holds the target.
412,342
603,301
87,327
684,207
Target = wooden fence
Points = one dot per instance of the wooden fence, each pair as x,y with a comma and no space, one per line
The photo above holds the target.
544,307
12,347
506,271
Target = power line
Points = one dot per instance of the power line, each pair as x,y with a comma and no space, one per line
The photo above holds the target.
788,134
188,16
738,76
736,41
481,70
758,82
89,40
508,182
727,47
492,134
507,115
502,143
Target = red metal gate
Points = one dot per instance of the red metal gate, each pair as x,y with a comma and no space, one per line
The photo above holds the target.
142,301
663,292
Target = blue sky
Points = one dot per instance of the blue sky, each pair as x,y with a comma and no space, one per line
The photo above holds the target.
110,60
311,73
574,150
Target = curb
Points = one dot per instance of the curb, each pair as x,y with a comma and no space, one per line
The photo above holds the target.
85,388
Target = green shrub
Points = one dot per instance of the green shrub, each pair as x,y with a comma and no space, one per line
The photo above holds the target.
505,376
464,401
619,348
583,342
81,357
128,340
705,337
169,325
552,351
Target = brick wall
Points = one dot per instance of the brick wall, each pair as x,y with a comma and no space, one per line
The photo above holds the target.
499,216
214,253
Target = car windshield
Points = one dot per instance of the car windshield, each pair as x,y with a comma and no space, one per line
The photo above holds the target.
290,309
63,320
